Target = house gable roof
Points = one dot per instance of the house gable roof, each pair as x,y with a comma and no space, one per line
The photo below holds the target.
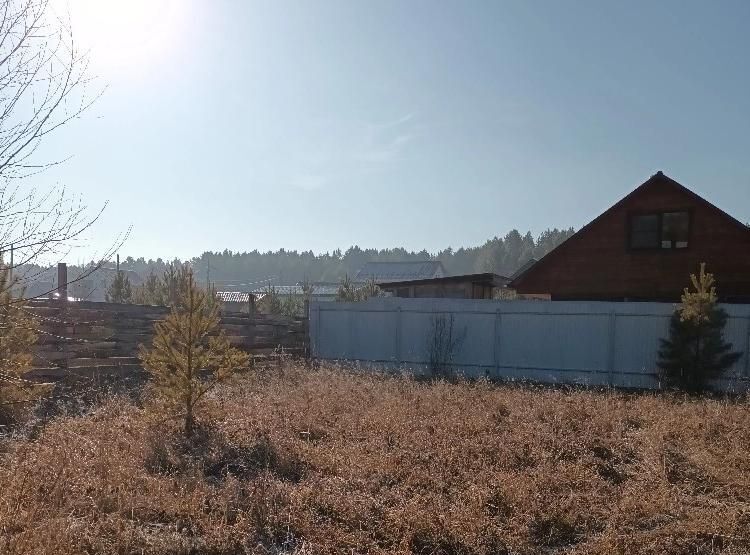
525,267
658,179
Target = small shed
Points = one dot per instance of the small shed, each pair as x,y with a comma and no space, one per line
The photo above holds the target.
470,286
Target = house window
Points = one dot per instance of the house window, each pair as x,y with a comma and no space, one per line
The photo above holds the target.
644,232
665,230
674,230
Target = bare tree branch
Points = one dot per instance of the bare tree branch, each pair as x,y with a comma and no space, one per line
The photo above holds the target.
44,84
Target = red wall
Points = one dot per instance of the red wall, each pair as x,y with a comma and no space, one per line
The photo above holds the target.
596,263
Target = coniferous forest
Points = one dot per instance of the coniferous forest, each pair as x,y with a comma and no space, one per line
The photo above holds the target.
502,255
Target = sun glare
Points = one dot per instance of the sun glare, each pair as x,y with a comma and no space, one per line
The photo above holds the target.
125,34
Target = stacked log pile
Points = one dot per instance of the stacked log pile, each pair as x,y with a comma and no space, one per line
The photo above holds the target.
88,338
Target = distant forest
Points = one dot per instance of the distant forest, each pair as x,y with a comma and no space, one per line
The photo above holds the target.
227,269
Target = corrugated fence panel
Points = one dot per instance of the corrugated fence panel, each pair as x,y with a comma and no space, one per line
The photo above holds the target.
595,343
375,336
636,346
736,333
571,342
331,337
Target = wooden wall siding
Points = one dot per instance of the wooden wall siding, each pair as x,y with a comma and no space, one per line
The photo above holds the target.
465,290
87,337
597,264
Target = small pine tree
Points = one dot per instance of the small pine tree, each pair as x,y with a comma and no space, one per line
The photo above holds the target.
369,289
695,351
168,290
150,292
190,356
291,306
350,292
119,290
271,302
176,282
17,337
347,292
308,289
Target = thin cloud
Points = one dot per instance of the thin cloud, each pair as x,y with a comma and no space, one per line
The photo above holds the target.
406,118
383,142
309,182
340,150
387,150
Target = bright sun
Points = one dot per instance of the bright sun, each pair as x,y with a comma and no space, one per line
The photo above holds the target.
124,34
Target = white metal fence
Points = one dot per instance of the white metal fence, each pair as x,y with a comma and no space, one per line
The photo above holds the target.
594,343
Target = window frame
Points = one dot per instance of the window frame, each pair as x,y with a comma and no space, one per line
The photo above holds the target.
660,215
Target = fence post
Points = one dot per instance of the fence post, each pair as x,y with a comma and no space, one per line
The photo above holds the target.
398,335
317,330
747,350
497,342
611,347
352,337
62,281
306,330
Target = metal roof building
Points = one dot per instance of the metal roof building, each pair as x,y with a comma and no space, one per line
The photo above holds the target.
233,297
318,290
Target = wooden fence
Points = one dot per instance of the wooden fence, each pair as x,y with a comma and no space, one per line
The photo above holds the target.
91,338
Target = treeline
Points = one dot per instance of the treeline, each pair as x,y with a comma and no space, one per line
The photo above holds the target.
502,255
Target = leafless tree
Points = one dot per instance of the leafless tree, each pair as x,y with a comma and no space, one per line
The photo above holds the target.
444,342
44,84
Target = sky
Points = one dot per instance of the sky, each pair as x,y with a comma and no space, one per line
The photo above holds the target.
317,125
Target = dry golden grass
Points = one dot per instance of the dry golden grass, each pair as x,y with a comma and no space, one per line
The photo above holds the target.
332,462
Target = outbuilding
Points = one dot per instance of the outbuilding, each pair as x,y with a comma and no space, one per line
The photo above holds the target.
470,286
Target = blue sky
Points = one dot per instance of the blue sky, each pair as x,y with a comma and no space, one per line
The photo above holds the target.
317,125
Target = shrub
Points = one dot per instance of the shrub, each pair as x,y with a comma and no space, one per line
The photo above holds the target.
17,336
444,343
350,292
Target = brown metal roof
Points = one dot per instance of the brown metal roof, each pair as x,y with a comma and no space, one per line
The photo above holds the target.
487,278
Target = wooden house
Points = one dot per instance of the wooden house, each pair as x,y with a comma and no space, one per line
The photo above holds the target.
644,248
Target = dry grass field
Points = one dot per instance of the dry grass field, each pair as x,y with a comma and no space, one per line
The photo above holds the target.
325,461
